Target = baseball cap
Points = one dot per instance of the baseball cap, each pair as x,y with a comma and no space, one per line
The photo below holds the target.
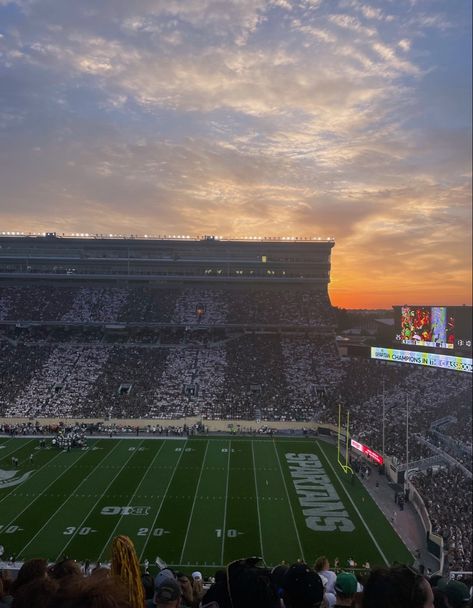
457,592
197,575
165,574
168,591
302,584
346,583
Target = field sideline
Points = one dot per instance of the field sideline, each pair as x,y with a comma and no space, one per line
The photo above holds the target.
197,502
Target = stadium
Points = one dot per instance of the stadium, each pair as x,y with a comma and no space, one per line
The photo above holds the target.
202,397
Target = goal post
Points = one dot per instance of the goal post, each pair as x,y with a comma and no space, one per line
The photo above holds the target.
346,464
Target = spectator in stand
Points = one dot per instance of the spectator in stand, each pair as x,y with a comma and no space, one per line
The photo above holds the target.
302,587
218,592
5,598
148,587
91,592
187,591
440,601
250,585
345,588
126,566
65,571
456,593
38,592
167,594
29,571
322,567
397,587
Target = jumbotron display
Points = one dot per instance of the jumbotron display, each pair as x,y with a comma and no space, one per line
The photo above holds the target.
438,327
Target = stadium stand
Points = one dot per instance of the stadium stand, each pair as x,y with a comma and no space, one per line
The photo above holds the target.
172,348
244,584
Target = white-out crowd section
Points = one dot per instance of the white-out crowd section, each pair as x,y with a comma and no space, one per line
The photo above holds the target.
231,354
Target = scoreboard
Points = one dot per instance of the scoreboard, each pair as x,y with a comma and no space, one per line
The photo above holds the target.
442,329
434,336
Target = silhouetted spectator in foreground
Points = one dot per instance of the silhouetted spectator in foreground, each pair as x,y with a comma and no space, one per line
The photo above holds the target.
397,587
302,587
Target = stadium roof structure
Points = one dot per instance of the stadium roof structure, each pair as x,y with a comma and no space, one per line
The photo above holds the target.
170,258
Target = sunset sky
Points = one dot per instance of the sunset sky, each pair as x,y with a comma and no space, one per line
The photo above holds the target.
309,118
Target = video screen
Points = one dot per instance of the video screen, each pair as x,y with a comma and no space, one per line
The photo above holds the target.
427,326
443,327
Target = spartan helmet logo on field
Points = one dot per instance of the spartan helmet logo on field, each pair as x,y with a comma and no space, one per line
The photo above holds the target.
12,478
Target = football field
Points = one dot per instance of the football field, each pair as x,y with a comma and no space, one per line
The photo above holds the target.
196,503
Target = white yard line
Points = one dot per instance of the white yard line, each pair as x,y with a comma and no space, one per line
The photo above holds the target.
48,486
125,464
289,501
162,500
130,501
257,502
15,488
66,501
386,561
193,504
6,455
224,529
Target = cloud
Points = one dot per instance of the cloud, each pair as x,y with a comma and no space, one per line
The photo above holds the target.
268,116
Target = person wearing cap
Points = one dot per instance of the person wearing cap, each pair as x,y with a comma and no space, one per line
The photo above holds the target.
456,593
167,591
345,588
302,587
167,594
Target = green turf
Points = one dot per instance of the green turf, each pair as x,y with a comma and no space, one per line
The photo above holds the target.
198,502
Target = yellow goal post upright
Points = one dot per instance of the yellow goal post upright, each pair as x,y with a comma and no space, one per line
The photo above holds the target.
345,465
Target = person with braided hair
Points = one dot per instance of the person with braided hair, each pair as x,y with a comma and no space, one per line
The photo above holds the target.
126,567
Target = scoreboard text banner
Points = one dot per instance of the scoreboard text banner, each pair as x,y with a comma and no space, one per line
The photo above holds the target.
460,364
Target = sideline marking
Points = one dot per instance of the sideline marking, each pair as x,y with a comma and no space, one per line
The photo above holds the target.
289,501
257,502
362,519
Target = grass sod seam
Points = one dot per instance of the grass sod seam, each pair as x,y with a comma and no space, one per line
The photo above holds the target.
55,480
257,501
62,552
61,506
130,500
163,499
362,519
224,527
289,501
193,504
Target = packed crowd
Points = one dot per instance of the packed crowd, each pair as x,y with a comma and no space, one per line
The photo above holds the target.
245,583
222,373
447,495
183,305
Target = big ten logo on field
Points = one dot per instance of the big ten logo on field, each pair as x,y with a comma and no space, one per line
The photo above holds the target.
127,510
